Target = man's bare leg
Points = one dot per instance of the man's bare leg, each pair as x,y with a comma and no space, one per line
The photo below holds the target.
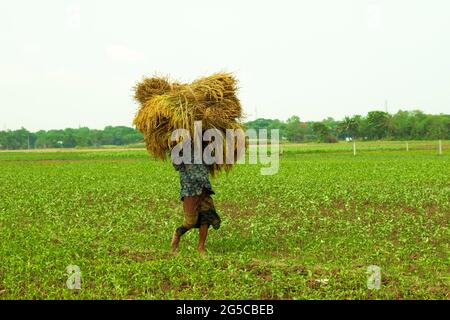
203,233
175,241
190,219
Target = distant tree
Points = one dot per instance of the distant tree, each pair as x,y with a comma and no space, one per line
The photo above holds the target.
267,124
118,135
3,140
41,139
18,139
53,137
294,130
321,130
95,137
70,138
437,127
82,136
349,127
377,124
401,125
260,123
418,129
331,124
132,138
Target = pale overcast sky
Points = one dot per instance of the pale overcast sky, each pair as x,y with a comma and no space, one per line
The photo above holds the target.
70,63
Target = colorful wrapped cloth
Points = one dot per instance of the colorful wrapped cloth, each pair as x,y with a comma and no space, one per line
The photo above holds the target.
198,210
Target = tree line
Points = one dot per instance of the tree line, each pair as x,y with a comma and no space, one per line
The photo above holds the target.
403,125
376,125
69,138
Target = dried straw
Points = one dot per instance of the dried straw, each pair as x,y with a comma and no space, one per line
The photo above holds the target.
166,106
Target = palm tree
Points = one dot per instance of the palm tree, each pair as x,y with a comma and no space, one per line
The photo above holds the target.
349,126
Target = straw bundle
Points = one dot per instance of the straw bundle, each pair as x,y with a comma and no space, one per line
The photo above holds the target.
166,106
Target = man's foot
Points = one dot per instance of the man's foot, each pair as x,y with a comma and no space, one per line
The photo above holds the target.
201,250
175,242
203,233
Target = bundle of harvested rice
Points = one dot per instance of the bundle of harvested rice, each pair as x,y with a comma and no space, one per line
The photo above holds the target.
166,106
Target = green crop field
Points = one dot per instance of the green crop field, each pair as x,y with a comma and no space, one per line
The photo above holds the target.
309,232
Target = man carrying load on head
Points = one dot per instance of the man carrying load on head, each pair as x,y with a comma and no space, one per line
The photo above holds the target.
167,106
199,210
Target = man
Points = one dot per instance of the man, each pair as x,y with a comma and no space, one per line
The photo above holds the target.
199,210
